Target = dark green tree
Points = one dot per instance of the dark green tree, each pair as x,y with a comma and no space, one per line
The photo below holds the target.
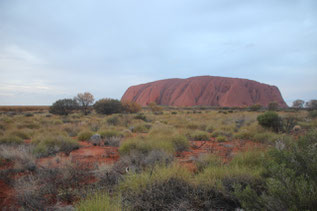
63,107
108,106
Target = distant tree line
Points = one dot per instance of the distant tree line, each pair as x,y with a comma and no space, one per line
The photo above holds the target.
84,102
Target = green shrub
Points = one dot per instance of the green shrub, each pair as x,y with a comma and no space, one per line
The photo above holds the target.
221,139
215,134
244,134
63,107
141,116
72,131
255,107
141,128
210,129
171,189
131,107
29,125
135,144
271,120
114,120
99,201
254,158
108,106
180,143
265,137
290,173
110,133
84,136
206,160
20,134
199,136
50,145
144,145
11,140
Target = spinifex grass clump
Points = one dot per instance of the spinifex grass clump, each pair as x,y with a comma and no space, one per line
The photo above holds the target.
84,136
161,137
11,140
52,144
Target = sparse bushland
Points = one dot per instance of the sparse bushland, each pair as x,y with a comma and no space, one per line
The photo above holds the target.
149,175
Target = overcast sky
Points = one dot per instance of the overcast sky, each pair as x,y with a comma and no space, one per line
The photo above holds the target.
55,49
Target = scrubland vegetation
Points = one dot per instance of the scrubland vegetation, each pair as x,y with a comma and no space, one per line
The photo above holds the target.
163,162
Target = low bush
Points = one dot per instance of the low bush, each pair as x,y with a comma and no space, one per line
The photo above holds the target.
255,107
265,137
210,129
99,201
63,184
221,139
72,131
84,136
141,116
11,140
244,134
144,145
131,107
53,144
180,143
22,157
290,174
21,134
110,134
29,125
270,120
205,160
170,188
114,120
141,128
199,136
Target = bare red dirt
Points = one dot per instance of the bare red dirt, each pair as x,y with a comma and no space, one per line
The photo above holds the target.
226,150
87,154
204,91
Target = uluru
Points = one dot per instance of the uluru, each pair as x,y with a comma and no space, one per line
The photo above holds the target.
204,91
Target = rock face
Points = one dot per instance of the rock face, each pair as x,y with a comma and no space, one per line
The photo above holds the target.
204,91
